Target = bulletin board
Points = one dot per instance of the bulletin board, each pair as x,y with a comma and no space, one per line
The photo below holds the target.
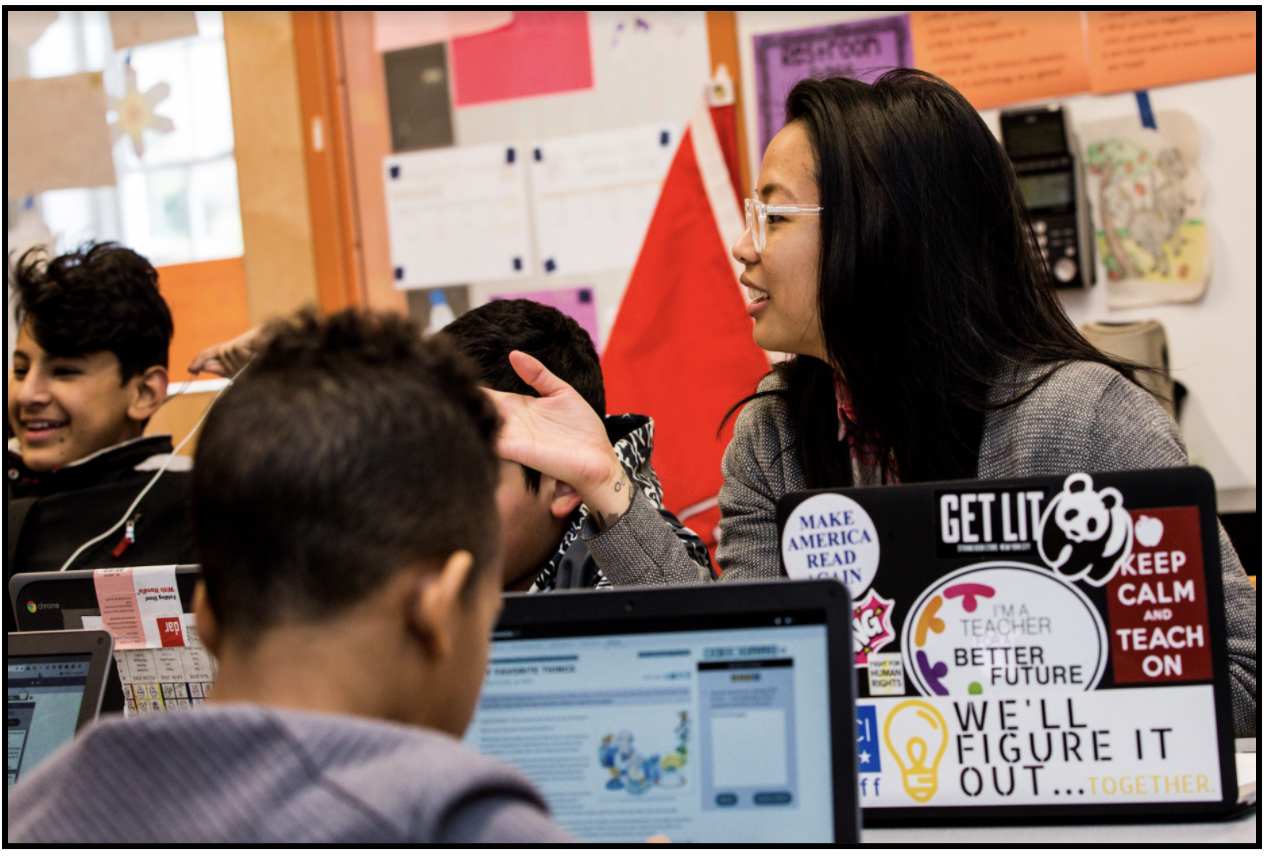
645,70
1212,342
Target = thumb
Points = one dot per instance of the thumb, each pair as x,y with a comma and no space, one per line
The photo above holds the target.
535,375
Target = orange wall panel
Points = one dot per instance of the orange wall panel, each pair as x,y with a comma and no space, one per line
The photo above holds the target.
208,305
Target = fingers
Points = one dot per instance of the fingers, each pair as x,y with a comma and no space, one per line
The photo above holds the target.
209,361
535,375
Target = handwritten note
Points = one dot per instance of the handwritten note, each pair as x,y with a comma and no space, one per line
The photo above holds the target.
1139,50
457,215
996,58
593,196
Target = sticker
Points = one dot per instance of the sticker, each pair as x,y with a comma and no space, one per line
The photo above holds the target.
916,734
1157,610
1085,535
887,675
1130,745
988,523
867,740
829,536
872,626
1003,627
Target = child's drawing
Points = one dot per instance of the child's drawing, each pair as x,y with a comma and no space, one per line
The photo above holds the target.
1148,196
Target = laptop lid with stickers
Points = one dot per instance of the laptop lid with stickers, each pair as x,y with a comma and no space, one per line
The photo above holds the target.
1044,646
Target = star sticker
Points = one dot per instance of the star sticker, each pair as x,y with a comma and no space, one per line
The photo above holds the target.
136,112
864,757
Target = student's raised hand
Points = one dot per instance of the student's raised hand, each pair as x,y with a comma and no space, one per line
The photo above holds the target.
561,435
227,358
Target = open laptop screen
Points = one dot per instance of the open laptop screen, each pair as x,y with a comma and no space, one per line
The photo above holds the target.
43,696
706,728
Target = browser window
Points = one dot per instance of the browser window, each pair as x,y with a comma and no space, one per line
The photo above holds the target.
718,734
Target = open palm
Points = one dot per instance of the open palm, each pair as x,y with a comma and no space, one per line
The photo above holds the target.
558,433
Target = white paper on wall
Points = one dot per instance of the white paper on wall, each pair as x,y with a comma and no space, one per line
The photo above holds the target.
457,215
593,196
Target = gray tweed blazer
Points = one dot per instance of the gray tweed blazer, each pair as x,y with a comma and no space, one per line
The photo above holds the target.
1085,417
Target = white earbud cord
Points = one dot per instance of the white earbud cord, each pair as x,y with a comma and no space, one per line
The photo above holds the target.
127,514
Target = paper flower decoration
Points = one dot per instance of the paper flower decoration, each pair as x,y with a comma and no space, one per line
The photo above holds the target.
135,112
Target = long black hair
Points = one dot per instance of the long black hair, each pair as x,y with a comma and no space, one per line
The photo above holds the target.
931,281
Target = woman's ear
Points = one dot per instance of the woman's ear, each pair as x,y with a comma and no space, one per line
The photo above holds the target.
563,500
204,619
435,601
149,393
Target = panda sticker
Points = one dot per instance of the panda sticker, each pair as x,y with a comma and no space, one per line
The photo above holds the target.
1084,534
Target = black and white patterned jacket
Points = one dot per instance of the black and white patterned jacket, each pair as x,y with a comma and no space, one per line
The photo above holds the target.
573,565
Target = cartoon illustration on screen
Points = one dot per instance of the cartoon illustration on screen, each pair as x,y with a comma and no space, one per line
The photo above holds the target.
632,772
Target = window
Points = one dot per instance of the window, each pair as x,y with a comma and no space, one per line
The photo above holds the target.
178,202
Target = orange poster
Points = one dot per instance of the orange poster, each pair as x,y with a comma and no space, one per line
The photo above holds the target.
1000,58
1139,50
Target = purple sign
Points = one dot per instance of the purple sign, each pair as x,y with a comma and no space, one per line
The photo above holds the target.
579,303
860,49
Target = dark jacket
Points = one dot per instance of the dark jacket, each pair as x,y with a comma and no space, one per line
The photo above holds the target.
51,514
572,565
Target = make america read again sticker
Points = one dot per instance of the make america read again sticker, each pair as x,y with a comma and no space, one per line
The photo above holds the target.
830,536
1003,627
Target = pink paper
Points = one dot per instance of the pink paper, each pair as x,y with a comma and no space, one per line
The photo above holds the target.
579,303
395,29
120,613
539,54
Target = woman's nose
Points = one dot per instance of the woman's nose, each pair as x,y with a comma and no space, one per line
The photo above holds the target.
744,249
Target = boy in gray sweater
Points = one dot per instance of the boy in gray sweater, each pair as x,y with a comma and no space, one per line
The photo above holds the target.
344,512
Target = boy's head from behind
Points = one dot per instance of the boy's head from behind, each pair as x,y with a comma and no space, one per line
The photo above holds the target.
90,362
343,488
533,508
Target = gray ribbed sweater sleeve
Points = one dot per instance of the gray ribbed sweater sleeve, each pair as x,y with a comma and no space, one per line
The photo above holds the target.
642,549
759,466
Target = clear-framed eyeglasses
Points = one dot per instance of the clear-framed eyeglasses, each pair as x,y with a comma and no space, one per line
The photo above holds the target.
758,215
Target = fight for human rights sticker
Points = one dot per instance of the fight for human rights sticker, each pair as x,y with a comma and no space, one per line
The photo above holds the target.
1003,627
829,536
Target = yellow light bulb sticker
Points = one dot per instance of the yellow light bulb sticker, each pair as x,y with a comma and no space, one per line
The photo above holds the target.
916,735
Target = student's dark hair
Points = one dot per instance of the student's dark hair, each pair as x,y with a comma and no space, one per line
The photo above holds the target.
487,334
100,297
930,279
348,449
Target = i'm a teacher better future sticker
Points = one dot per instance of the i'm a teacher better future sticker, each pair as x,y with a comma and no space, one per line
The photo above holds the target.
830,536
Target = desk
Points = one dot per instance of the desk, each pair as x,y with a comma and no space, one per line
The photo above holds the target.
1242,831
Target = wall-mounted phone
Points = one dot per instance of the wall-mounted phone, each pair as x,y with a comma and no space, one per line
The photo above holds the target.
1043,148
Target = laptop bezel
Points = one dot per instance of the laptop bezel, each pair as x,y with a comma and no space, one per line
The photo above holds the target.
1171,487
54,643
689,602
29,585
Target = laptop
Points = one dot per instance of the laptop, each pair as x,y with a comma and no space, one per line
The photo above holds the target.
1037,647
704,714
55,683
176,675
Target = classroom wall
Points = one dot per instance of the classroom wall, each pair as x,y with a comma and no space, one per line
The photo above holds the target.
1213,342
658,77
